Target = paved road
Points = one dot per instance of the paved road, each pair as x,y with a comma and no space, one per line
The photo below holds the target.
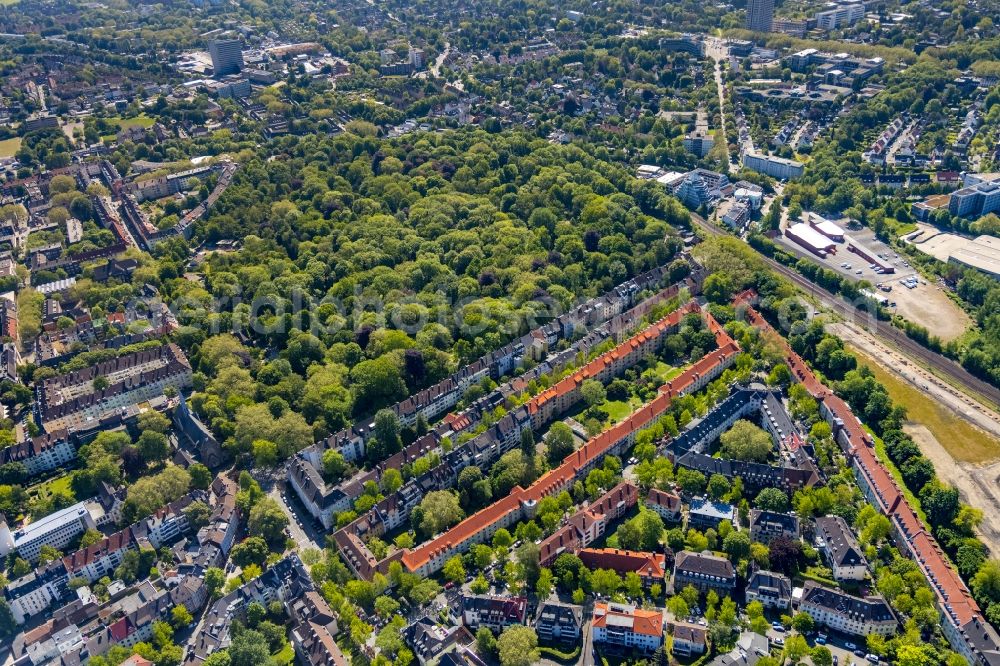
718,51
884,331
299,526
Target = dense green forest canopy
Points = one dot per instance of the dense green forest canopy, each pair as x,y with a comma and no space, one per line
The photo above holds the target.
371,268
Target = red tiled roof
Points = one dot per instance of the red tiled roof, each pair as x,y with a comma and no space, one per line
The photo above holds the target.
648,565
646,622
563,476
94,552
120,630
670,501
953,595
136,660
596,366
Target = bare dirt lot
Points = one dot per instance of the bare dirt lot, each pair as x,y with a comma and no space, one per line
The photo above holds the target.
958,435
979,485
968,429
929,306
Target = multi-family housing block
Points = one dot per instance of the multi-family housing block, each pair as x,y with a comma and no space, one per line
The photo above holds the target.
840,549
666,505
705,513
76,399
772,590
605,318
650,567
56,529
558,622
314,626
521,503
494,613
286,581
589,523
963,623
768,525
689,640
849,614
628,627
41,454
705,572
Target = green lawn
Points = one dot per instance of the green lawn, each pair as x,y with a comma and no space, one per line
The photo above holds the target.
668,372
52,485
962,440
8,147
141,120
883,457
285,656
618,409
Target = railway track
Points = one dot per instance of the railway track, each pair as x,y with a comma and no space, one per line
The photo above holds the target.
886,332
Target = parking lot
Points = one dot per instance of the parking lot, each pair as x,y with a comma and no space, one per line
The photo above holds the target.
855,266
908,293
844,650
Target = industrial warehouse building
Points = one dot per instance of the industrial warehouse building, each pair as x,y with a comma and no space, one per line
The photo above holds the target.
810,239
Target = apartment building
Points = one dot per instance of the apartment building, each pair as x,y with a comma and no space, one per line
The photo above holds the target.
650,567
589,523
75,400
314,626
41,454
285,581
689,640
557,622
627,627
842,16
771,165
974,201
494,613
705,572
840,549
704,513
772,590
430,641
35,592
666,505
845,613
790,475
760,15
227,56
56,529
768,525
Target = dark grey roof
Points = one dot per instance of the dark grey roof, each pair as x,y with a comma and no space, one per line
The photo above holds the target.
874,609
554,613
770,583
705,564
834,535
787,522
